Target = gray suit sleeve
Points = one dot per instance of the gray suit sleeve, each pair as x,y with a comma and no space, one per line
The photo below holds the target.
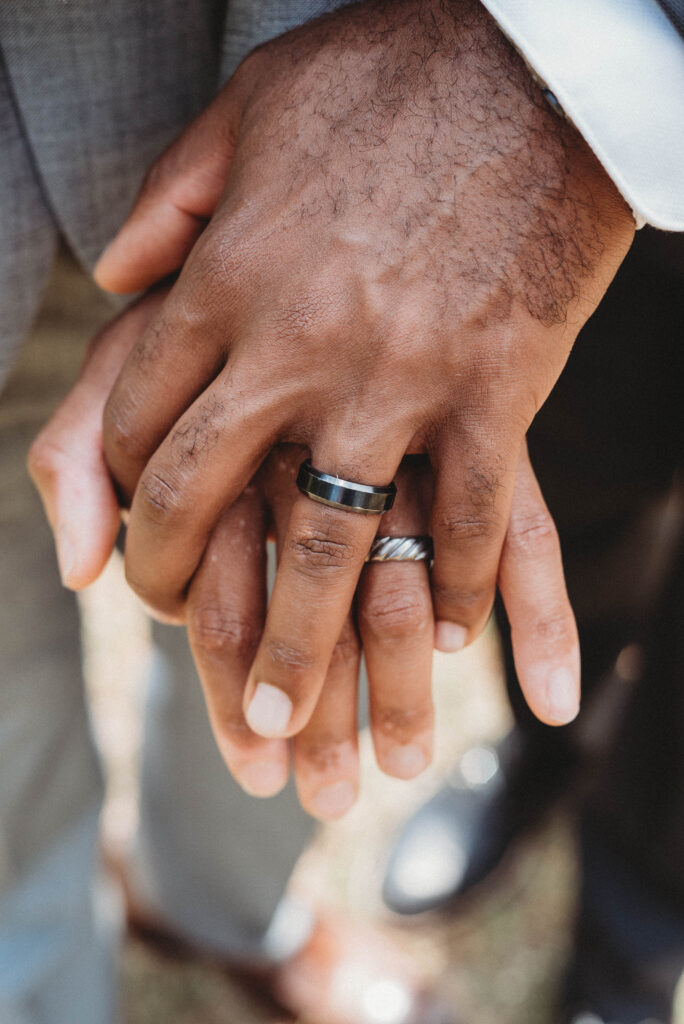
675,11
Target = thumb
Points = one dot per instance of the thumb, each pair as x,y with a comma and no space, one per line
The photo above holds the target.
66,461
178,196
80,504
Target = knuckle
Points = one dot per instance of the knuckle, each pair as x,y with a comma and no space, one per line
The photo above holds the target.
290,658
346,650
46,459
398,723
159,497
326,754
216,633
528,533
320,551
459,526
396,615
555,629
120,438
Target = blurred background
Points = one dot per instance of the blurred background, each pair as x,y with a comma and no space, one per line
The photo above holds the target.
497,959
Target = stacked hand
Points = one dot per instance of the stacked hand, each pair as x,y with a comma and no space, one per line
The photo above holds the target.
403,243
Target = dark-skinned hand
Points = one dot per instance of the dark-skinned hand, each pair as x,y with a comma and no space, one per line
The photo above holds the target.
403,243
392,616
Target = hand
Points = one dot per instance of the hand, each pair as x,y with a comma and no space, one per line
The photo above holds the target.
226,601
406,245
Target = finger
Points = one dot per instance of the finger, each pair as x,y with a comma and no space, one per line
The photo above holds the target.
322,557
178,195
226,606
66,461
326,757
173,361
397,631
199,470
543,629
474,488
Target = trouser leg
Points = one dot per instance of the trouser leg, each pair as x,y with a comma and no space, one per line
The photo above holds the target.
607,448
630,948
56,944
211,860
640,802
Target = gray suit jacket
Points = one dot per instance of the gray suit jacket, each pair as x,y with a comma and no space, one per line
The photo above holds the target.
91,91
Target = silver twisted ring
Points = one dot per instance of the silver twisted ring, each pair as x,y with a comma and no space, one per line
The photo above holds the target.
345,494
401,549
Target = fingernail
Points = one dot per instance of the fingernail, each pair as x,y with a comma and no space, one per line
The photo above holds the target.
405,762
334,800
263,778
269,711
562,696
66,554
450,637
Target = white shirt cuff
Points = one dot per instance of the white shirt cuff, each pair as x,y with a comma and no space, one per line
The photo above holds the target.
617,69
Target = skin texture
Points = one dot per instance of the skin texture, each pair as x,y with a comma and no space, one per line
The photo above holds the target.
403,242
392,615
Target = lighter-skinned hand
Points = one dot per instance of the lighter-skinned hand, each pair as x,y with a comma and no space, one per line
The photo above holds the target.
392,615
403,242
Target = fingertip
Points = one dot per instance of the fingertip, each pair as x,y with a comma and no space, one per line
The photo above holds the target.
66,554
263,779
101,268
562,696
333,801
450,637
404,761
552,690
110,272
85,538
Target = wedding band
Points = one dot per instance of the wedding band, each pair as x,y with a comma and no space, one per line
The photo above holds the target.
401,549
344,494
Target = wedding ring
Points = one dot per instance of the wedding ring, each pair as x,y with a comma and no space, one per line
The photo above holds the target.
344,494
401,549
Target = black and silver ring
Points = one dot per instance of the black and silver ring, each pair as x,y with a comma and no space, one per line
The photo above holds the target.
345,494
401,549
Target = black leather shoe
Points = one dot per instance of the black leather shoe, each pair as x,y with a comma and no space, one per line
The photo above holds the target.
459,836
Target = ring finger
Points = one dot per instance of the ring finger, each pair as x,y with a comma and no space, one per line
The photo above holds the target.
397,631
322,555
